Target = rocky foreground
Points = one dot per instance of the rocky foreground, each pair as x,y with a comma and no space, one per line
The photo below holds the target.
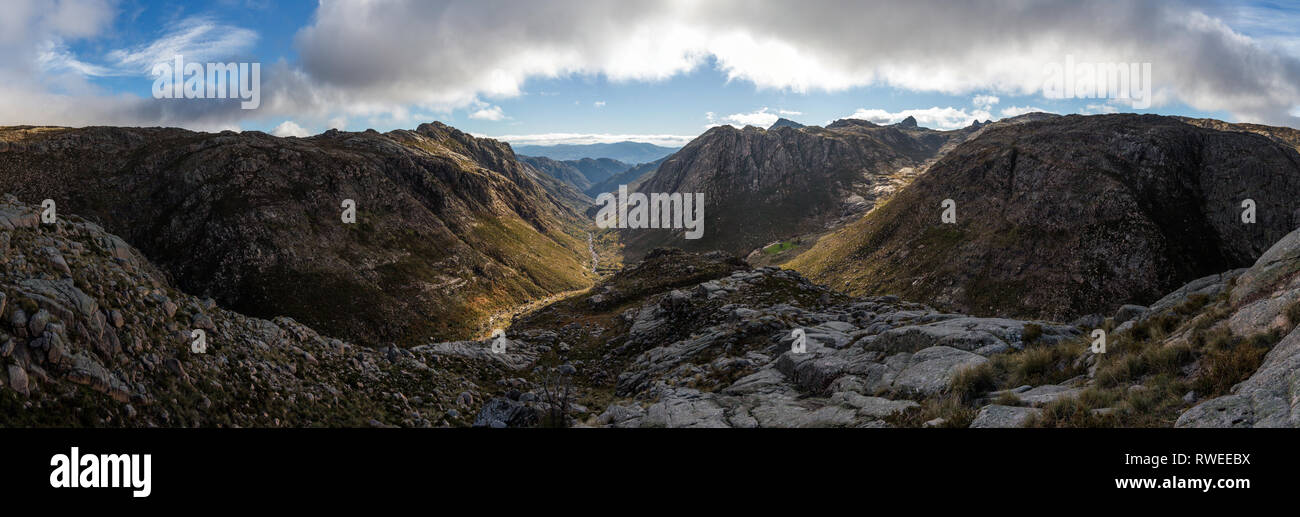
686,340
93,334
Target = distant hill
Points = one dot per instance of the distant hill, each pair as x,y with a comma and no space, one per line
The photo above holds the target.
631,177
563,171
766,185
627,152
580,174
785,122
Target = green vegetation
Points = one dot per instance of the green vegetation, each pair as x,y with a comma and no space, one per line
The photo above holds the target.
779,247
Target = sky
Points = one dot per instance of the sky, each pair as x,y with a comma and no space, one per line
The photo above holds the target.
662,71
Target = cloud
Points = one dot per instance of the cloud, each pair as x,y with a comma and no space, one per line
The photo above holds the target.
936,117
984,102
471,49
290,128
789,113
1094,109
1016,111
761,118
47,83
593,138
386,59
198,39
598,104
492,113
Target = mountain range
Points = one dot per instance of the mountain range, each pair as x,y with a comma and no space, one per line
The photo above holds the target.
933,278
626,152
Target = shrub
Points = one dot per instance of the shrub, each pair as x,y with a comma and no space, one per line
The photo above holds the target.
1032,333
1043,364
951,409
1070,412
1293,313
967,384
1008,398
1223,368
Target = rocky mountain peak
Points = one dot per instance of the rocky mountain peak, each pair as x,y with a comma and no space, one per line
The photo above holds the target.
785,122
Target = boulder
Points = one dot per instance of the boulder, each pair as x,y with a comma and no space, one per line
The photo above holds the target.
929,371
503,412
1003,416
18,379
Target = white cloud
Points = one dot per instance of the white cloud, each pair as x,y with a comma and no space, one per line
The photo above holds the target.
935,118
198,39
761,118
1016,111
492,113
593,138
1099,108
598,104
476,50
386,59
984,102
290,128
789,113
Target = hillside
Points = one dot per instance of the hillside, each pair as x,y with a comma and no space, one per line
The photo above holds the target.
564,171
632,177
94,335
1065,216
762,185
450,229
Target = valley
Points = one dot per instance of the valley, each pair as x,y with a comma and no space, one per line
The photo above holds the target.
1132,228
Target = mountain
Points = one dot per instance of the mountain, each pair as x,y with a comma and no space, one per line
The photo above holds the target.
580,174
450,229
597,170
626,152
564,171
762,185
1059,217
785,122
93,334
632,177
1284,135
